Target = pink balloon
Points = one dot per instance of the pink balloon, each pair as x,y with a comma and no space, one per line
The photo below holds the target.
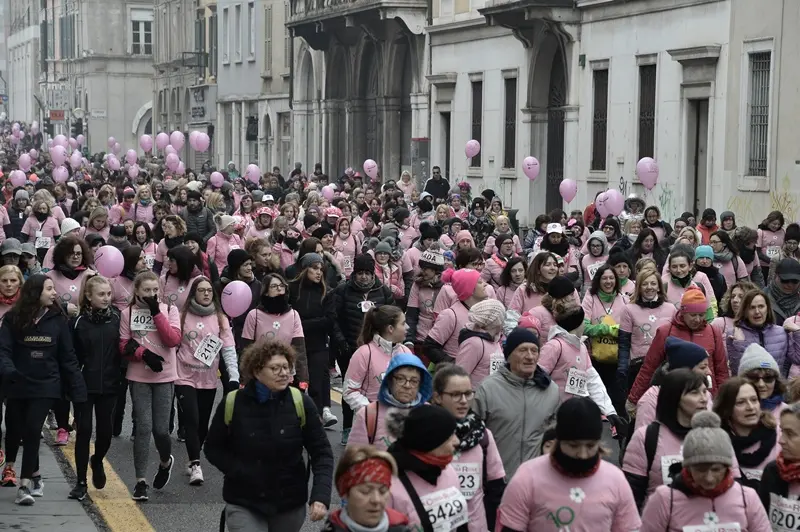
181,169
328,193
615,203
114,164
60,174
202,142
146,143
169,149
133,171
61,140
109,262
600,205
162,140
193,139
217,179
15,127
34,154
81,139
58,154
172,161
116,149
75,160
647,170
18,178
472,148
35,129
177,140
236,298
131,156
531,167
253,173
20,134
568,189
73,143
111,142
24,162
50,143
371,168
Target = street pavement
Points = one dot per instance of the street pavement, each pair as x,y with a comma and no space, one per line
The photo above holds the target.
179,507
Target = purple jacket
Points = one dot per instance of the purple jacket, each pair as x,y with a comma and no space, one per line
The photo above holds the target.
772,338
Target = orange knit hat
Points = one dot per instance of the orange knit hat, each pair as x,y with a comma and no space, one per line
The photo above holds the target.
693,300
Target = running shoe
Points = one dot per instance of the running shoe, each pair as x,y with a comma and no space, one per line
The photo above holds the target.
9,479
162,475
79,492
24,497
196,476
328,419
62,437
140,491
37,487
98,473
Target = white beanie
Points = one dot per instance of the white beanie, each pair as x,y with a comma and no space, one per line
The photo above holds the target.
756,357
486,313
68,224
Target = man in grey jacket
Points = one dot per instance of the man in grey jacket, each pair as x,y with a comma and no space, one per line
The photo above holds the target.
518,401
199,219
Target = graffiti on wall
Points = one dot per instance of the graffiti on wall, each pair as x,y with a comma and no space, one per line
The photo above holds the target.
784,200
668,203
742,206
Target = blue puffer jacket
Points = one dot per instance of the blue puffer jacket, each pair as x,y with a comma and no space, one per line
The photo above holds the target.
772,338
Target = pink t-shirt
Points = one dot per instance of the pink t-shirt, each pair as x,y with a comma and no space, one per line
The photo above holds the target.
422,298
522,302
69,290
143,213
469,466
447,296
253,232
348,247
122,288
151,340
447,490
731,273
590,265
104,232
770,243
505,294
480,358
191,371
161,251
173,291
539,498
447,327
280,327
642,323
41,234
366,371
4,220
359,434
220,245
560,358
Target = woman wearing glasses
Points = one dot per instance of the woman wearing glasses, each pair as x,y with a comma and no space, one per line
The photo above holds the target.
274,319
476,460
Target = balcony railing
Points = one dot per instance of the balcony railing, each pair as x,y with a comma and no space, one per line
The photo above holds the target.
304,10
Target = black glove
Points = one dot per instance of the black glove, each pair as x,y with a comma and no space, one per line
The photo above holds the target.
232,386
153,361
152,304
622,383
130,349
620,426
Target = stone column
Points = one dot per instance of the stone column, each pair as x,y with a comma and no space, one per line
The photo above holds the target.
537,191
356,133
389,137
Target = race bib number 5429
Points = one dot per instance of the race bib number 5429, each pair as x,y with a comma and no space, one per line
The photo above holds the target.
447,509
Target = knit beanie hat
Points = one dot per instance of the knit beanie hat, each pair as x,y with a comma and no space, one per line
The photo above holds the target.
683,354
21,194
517,337
500,240
425,428
427,230
401,215
309,259
707,443
478,202
195,237
461,235
322,231
364,263
486,313
224,221
792,233
727,214
756,357
693,300
68,224
560,287
579,418
194,194
528,321
236,258
383,247
704,252
433,259
464,282
309,220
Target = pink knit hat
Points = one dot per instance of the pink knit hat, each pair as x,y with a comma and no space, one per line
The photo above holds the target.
461,235
464,282
527,321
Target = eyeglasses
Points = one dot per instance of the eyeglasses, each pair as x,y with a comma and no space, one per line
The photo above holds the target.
458,396
714,242
403,381
277,287
277,370
76,254
767,379
205,290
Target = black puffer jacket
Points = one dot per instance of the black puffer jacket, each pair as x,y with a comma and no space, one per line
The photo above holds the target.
344,306
17,221
306,298
96,341
201,223
333,273
246,453
40,361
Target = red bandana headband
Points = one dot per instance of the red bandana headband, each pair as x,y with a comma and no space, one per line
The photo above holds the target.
370,470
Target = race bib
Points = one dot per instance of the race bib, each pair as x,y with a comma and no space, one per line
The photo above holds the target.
42,242
142,320
149,261
721,527
208,349
784,514
666,463
496,361
576,383
447,509
347,263
234,246
773,251
469,476
592,269
753,474
366,306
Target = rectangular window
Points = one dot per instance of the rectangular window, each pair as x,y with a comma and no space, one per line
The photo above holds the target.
200,33
758,121
251,34
647,110
141,37
212,48
226,36
477,118
600,120
287,39
237,28
510,140
268,39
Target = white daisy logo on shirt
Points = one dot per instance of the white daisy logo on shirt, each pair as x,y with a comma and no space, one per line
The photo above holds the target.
73,288
710,518
200,326
578,359
652,318
181,289
276,325
577,495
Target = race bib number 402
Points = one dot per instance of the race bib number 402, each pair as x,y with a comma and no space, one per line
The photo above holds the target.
447,509
142,320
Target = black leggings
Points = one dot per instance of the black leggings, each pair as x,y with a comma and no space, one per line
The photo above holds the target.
347,412
319,377
24,420
194,407
61,410
119,404
103,407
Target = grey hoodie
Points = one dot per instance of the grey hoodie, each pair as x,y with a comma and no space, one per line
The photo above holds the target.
598,235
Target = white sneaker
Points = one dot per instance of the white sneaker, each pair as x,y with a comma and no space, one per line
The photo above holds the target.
51,422
24,497
328,419
37,487
196,475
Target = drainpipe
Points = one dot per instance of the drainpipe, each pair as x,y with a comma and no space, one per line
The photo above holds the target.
430,90
291,68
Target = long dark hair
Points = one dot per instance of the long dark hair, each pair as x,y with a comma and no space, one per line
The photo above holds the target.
223,321
505,277
595,288
147,232
726,239
185,260
26,309
676,383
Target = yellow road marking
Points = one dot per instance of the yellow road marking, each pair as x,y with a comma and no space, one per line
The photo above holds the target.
120,512
336,397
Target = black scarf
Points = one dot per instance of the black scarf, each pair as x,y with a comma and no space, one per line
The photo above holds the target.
674,427
683,281
407,462
100,315
764,436
470,431
275,305
42,216
70,272
657,302
172,241
747,255
561,249
710,271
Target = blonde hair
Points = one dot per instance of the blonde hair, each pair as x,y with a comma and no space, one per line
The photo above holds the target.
502,218
141,277
38,203
88,286
44,195
643,274
686,232
10,268
215,202
630,223
142,188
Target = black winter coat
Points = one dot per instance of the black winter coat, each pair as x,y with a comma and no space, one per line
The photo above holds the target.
17,221
96,341
261,453
343,305
40,361
306,298
333,274
201,222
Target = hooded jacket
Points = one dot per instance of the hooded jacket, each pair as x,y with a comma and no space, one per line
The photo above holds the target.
589,263
345,310
517,412
96,341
